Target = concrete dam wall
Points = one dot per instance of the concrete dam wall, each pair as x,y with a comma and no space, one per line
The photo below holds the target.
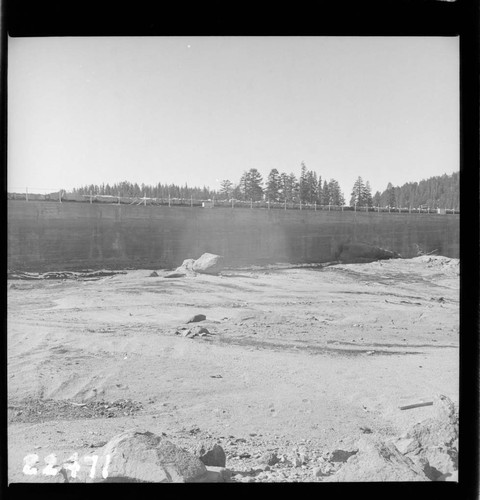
45,236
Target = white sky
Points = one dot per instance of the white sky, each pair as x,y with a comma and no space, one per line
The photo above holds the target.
198,110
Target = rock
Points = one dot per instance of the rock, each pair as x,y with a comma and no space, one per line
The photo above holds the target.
318,472
187,265
269,458
186,269
141,456
200,331
215,475
208,263
296,462
341,455
196,318
153,274
214,456
362,252
406,445
225,473
433,443
377,461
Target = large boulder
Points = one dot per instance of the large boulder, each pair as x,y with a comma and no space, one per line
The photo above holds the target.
377,461
208,263
351,253
141,456
213,456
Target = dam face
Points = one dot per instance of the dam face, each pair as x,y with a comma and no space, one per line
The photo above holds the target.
45,236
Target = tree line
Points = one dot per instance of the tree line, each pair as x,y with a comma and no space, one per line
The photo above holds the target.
441,191
308,188
133,190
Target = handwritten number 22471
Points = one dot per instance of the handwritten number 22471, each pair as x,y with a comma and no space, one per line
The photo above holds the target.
71,464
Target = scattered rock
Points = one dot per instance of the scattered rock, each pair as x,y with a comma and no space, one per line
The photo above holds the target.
153,274
208,263
175,275
297,462
196,318
269,458
214,456
433,443
377,461
366,430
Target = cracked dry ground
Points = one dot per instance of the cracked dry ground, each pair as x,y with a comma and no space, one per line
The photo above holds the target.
296,360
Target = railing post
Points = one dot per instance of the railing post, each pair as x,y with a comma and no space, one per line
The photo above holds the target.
26,194
118,196
169,200
315,206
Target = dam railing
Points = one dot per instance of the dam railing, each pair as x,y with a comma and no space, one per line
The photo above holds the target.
62,196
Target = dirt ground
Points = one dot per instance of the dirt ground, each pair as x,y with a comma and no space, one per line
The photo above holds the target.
297,359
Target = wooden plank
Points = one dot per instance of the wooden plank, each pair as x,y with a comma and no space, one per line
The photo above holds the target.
416,405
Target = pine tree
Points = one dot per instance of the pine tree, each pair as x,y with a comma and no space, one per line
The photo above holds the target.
312,184
367,195
358,193
303,183
326,200
226,188
255,182
335,193
376,199
284,187
237,192
319,190
294,188
274,185
388,196
244,185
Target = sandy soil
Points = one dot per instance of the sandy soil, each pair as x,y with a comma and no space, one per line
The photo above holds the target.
298,357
